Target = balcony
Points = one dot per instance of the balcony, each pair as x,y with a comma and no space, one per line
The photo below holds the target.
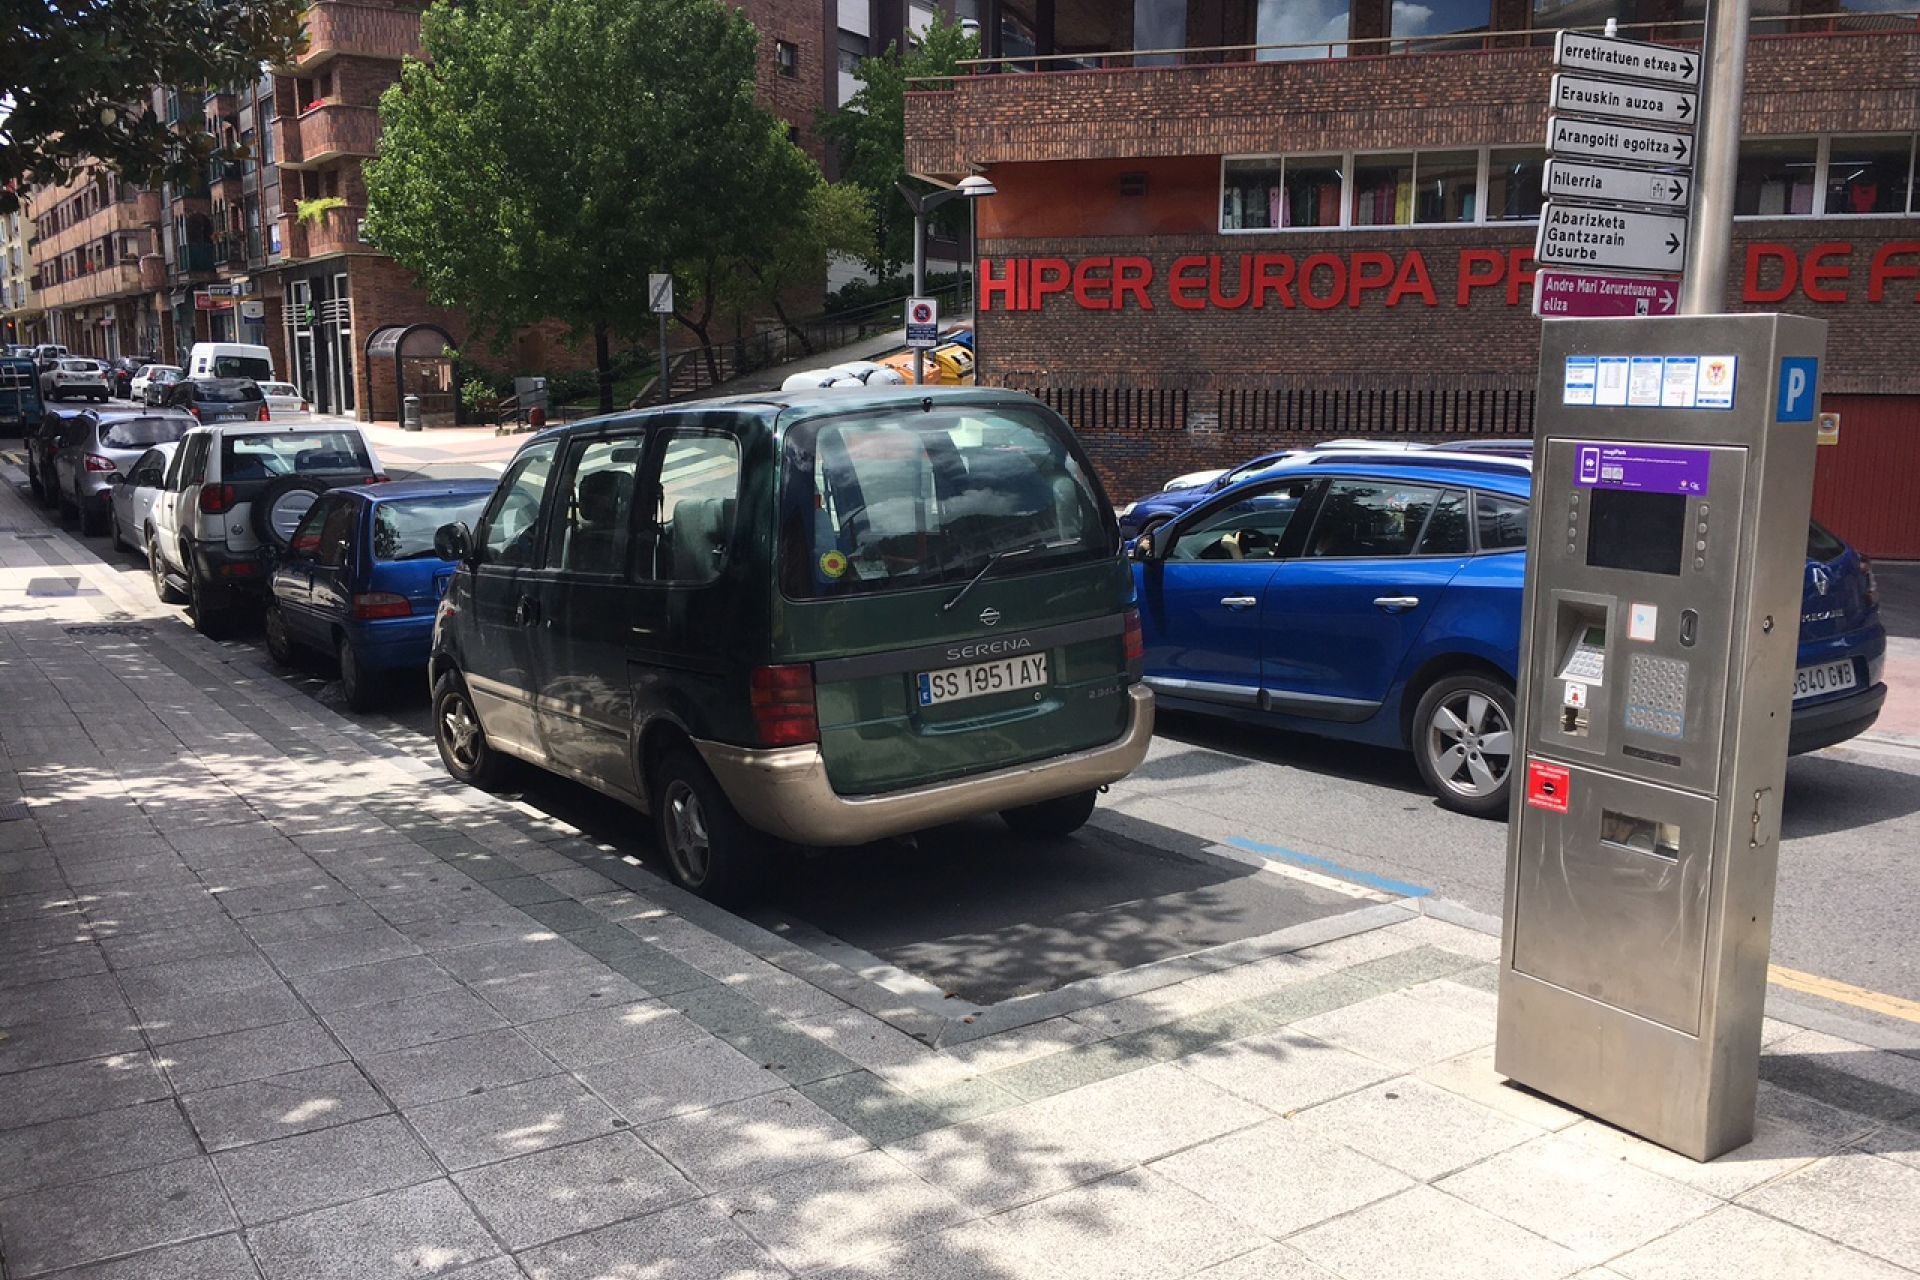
148,210
117,215
116,281
293,238
360,30
194,258
223,180
337,232
230,249
325,132
220,104
153,271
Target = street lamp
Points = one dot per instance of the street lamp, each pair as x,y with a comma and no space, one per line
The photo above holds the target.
971,187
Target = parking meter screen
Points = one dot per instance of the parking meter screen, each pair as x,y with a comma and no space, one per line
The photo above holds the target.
1641,532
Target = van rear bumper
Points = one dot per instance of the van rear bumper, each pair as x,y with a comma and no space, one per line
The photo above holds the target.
784,791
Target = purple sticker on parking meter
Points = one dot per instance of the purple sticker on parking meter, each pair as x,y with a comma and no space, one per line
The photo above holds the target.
1645,467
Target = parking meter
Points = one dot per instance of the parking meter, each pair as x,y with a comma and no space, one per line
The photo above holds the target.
1673,473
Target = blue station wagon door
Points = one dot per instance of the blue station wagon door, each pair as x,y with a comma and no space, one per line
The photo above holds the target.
1348,608
1206,599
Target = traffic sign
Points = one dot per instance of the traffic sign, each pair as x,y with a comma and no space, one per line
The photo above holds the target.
1574,235
923,323
660,292
1660,63
1584,295
1615,184
1619,100
1595,140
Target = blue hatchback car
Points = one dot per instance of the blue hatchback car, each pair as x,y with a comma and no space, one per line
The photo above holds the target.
1376,597
360,580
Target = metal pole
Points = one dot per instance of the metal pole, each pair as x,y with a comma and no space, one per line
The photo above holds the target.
919,278
973,281
666,388
1716,150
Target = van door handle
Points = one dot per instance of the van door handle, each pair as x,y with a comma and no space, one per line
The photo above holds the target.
1394,604
526,610
1240,602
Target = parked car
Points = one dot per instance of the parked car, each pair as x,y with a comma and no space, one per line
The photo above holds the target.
96,451
835,616
75,376
214,400
20,405
160,380
229,360
284,398
361,579
137,384
39,445
233,496
1377,598
130,509
121,372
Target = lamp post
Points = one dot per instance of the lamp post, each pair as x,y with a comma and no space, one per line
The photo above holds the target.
972,187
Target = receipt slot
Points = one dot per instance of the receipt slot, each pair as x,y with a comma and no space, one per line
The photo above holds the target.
1673,472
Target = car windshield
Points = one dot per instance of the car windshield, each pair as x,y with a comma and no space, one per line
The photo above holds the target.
265,455
233,392
892,499
241,367
403,528
138,433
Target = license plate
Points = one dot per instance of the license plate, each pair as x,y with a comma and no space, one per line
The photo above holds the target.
976,680
1824,677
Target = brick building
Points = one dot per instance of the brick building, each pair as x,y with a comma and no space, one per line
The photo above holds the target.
1200,254
91,236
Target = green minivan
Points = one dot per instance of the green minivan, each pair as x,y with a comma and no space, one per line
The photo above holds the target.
815,618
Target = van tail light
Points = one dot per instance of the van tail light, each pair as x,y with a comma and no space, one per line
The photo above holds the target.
265,416
783,706
381,604
1136,643
1873,583
216,499
97,463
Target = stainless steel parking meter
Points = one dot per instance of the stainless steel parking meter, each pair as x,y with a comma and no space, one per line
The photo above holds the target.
1673,471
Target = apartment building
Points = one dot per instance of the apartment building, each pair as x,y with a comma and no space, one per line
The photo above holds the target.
91,236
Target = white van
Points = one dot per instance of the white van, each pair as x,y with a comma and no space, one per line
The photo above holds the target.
230,360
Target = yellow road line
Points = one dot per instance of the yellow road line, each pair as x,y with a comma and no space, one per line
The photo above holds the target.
1845,993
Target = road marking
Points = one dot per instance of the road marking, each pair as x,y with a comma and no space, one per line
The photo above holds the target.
1398,888
1846,993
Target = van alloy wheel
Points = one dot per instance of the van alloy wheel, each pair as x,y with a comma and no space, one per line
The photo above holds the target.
686,832
460,733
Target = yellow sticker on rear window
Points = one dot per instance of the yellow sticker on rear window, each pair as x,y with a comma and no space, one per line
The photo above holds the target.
833,563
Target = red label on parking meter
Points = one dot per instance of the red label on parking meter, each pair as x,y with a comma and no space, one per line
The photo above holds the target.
1548,786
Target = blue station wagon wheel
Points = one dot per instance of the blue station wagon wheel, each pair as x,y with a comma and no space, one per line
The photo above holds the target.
1463,742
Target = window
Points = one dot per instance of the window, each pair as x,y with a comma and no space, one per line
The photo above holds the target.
327,532
515,510
1514,175
1264,194
1502,521
786,58
1868,175
693,526
853,48
1248,529
592,528
1440,18
1383,190
404,528
1548,14
1319,26
1370,518
1446,186
1776,177
1446,533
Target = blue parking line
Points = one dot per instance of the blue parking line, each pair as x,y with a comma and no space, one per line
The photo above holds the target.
1399,888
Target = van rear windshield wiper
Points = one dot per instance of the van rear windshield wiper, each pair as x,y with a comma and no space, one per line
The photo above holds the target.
995,560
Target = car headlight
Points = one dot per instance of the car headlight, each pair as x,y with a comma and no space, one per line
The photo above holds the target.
1127,510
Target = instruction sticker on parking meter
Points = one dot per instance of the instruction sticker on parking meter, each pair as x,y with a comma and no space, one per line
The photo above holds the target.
1583,372
1548,786
1649,468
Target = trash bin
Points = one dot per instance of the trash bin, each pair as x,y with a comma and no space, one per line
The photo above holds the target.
410,413
530,394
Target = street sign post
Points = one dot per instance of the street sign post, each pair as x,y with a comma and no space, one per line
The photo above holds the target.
1616,100
1574,235
1616,184
1657,63
660,302
1584,295
1596,140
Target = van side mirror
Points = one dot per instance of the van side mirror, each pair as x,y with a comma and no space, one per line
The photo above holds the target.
453,541
1143,547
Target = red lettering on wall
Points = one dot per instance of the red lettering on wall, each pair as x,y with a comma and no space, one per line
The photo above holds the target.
1132,276
1479,269
1816,274
1413,278
991,288
1186,283
1220,298
1883,269
1337,268
1050,276
1372,271
1272,273
1519,276
1758,255
1093,283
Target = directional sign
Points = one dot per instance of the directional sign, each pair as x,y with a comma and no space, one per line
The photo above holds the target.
1660,63
1609,239
1568,295
660,292
1618,100
1615,184
1593,140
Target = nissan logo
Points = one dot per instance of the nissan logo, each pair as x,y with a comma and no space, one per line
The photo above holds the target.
991,616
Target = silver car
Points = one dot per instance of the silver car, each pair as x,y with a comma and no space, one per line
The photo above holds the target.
97,448
130,515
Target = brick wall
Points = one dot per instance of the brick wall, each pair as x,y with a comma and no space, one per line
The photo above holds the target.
796,99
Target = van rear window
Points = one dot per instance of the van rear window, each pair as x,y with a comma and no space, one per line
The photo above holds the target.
267,455
892,500
242,367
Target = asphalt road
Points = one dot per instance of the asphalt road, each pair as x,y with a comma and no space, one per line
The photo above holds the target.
973,910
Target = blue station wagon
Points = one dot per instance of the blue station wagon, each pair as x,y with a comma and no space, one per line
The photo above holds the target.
1377,598
360,580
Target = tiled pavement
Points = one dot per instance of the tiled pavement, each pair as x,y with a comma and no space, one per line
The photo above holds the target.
278,1000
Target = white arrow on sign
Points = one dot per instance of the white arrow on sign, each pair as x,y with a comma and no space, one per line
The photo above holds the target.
1617,100
1615,183
1573,235
1658,62
1594,140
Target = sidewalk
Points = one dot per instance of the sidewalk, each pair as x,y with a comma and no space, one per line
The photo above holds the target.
280,1000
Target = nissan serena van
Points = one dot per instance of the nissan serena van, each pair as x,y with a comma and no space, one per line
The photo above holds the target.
819,618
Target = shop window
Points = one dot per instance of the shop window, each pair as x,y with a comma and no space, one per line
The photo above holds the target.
1775,177
1383,190
1428,18
1314,29
1252,192
1514,175
1447,186
786,58
1869,175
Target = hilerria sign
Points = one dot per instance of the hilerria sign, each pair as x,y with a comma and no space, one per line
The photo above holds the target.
1327,281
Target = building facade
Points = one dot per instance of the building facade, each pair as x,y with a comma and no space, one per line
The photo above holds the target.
1198,255
90,237
19,305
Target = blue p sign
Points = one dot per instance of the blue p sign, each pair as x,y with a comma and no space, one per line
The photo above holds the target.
1799,384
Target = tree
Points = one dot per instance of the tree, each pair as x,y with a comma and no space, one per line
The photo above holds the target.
870,133
549,154
81,76
834,218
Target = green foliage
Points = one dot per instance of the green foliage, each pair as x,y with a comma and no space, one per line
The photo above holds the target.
857,295
475,392
79,78
870,132
314,212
